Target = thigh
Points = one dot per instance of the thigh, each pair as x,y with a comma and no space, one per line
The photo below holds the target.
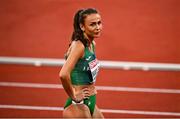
97,113
76,111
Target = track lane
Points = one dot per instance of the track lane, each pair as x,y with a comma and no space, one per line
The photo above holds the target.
32,96
20,113
143,79
105,99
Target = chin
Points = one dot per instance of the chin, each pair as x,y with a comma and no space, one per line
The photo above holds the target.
97,35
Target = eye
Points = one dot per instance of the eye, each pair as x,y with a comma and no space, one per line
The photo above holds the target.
99,22
93,24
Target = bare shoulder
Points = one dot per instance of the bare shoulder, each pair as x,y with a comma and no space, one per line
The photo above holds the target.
77,48
77,44
75,53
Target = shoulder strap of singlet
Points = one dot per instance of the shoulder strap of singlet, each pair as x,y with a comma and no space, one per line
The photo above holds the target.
93,47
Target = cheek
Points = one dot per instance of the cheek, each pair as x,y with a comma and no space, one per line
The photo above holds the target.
89,30
100,27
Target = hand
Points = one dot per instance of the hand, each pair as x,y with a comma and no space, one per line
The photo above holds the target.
81,95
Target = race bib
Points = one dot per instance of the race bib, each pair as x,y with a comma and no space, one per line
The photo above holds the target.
94,68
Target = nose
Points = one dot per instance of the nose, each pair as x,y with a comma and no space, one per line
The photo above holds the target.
97,26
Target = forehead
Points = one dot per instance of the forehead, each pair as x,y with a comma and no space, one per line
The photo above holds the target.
93,18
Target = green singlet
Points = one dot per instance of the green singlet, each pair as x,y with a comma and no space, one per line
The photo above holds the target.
90,102
84,73
86,69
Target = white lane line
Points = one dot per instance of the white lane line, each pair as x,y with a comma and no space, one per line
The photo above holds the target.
31,85
104,63
141,112
31,107
132,89
103,110
104,88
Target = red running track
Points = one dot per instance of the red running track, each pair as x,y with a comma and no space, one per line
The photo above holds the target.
134,30
119,100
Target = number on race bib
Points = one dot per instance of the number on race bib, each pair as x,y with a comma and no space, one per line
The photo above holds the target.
94,68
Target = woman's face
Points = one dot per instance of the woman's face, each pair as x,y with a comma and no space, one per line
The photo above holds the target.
92,26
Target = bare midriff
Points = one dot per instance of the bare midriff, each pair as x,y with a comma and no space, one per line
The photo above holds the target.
91,87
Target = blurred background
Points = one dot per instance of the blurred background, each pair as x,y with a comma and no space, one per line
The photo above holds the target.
133,31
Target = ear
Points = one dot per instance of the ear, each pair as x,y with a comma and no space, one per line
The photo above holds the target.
82,27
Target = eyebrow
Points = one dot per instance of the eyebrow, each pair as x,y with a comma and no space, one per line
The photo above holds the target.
95,21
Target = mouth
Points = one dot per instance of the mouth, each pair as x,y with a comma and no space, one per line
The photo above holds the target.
96,33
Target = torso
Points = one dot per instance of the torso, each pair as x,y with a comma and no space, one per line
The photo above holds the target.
79,88
81,74
86,69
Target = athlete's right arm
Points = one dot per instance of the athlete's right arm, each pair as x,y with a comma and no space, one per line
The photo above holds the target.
76,52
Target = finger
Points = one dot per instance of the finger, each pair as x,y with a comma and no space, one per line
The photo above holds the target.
87,93
85,89
86,97
93,92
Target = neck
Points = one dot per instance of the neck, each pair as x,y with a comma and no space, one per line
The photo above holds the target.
89,39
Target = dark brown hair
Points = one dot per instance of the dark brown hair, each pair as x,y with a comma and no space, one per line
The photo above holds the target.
79,19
